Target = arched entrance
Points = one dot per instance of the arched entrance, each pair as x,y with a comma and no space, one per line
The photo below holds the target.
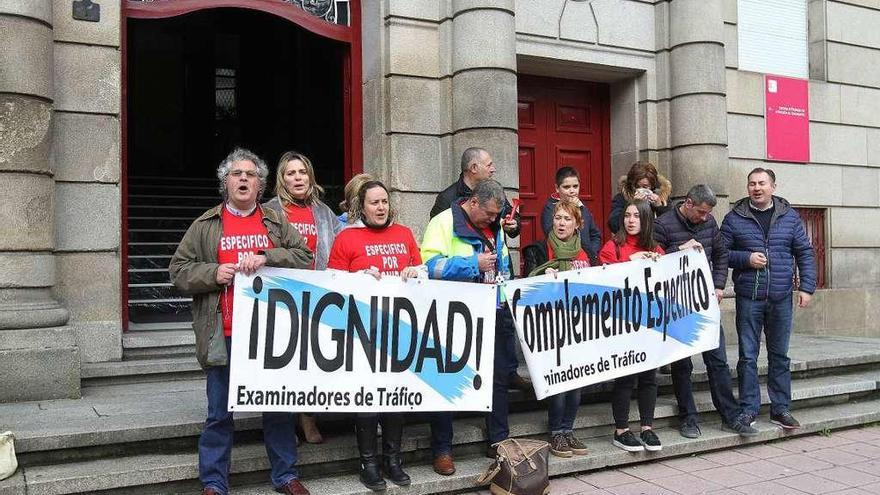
201,77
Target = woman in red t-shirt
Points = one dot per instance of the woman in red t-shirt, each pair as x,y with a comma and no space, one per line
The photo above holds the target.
634,240
297,198
561,251
374,244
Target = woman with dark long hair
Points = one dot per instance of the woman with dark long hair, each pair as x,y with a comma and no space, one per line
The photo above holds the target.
366,246
634,240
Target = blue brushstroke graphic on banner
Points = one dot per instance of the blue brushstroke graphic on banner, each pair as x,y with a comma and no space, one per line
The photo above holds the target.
451,386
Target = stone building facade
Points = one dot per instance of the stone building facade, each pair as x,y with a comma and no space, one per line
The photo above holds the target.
437,76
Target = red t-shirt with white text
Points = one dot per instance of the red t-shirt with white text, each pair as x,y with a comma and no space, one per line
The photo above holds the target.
302,219
390,249
241,235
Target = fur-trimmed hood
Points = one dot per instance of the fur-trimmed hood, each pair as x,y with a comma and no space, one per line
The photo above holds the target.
664,191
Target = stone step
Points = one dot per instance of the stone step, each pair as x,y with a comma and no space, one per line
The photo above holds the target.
158,340
183,367
158,473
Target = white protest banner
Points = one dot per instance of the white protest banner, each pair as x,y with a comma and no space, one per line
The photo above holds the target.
596,324
306,340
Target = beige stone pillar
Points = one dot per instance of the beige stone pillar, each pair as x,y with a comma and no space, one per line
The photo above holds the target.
38,357
698,102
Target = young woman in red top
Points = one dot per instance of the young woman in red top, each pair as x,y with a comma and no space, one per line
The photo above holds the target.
374,244
297,198
634,240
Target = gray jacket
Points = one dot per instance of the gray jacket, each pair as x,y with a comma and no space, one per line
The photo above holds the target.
326,223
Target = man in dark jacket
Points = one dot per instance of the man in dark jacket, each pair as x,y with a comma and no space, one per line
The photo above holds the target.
476,165
690,225
765,238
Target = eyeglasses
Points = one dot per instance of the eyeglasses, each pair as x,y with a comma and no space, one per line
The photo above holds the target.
238,173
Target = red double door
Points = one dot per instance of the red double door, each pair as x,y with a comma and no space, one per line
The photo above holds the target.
562,123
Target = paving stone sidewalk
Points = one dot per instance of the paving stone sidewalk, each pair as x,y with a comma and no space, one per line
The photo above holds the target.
845,462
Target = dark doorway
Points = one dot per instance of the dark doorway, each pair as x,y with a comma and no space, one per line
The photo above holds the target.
197,86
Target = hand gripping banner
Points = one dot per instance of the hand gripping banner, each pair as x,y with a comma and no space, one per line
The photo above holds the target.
596,324
314,341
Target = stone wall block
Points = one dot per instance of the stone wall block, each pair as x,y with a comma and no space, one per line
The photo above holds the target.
416,162
24,269
873,136
624,107
577,23
689,76
825,102
25,137
810,320
830,143
853,65
104,32
730,13
502,144
621,24
861,186
461,6
38,364
418,105
848,227
87,78
731,46
413,210
26,57
414,48
845,312
541,18
700,164
87,217
855,267
86,148
795,182
98,341
428,10
860,106
852,25
745,93
698,119
483,38
746,136
695,21
39,10
87,297
26,213
484,98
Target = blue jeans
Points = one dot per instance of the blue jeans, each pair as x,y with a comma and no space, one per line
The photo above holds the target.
720,385
215,443
774,318
562,410
496,421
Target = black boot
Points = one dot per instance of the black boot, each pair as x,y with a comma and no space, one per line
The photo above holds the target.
365,427
392,464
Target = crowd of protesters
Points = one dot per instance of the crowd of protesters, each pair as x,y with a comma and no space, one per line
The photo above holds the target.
465,239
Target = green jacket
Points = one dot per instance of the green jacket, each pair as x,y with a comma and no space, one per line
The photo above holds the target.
194,265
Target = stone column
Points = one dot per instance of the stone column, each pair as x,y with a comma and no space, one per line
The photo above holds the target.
698,108
484,83
38,357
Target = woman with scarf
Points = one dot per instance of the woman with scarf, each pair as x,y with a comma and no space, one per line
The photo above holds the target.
561,251
634,240
374,244
297,198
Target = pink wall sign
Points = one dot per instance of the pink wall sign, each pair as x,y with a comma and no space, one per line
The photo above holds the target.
787,118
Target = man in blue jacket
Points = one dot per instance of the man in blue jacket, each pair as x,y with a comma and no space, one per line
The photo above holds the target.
765,238
690,225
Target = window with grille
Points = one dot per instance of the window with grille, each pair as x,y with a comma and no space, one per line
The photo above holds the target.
814,223
224,94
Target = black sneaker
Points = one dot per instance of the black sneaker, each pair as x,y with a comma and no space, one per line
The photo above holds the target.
576,445
650,441
785,420
559,446
690,429
740,428
627,441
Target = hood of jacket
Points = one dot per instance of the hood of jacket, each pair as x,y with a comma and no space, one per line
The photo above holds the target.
664,191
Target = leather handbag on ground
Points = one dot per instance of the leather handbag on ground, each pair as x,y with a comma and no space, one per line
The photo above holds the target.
520,469
8,463
217,355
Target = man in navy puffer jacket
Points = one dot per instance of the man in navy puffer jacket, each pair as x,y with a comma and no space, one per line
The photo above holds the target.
765,238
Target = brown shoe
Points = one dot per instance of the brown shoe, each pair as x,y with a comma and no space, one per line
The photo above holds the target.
520,383
310,428
444,465
293,487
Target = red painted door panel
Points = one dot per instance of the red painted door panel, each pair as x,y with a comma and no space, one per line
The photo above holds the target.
562,122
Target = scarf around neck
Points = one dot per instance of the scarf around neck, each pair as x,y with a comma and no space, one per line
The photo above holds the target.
563,253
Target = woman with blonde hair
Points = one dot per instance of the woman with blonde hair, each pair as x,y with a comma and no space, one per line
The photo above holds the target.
297,198
349,196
